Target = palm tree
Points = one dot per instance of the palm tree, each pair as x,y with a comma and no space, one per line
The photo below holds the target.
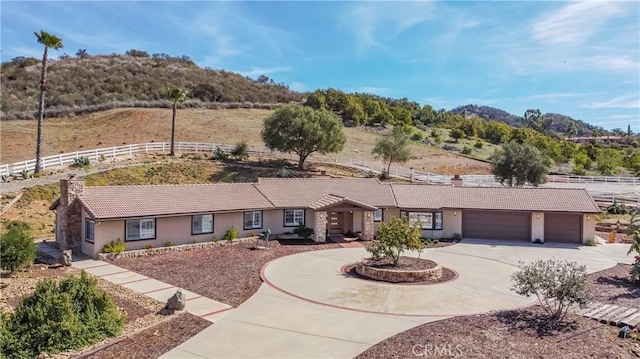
177,94
54,42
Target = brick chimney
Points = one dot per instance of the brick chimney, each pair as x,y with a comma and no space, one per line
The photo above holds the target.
69,213
456,181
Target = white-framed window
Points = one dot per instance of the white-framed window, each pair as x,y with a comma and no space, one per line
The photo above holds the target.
427,220
137,229
253,220
377,215
293,217
89,230
202,223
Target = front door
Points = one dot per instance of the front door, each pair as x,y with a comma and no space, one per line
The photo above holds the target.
336,222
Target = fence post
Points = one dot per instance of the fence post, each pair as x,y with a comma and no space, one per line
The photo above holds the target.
196,146
113,152
96,155
146,147
60,158
130,153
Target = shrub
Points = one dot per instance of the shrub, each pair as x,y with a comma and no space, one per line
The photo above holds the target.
17,249
231,234
578,170
25,174
384,175
215,239
169,244
558,285
82,161
478,144
449,148
466,150
416,137
456,236
617,208
635,247
303,231
241,151
393,238
114,247
59,317
149,246
219,154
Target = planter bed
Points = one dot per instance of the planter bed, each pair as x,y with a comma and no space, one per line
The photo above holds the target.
410,270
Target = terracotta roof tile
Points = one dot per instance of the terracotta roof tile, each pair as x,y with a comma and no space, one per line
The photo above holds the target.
494,198
331,200
302,192
105,202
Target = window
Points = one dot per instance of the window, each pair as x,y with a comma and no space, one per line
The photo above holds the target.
377,215
427,220
293,217
89,230
253,220
202,223
140,229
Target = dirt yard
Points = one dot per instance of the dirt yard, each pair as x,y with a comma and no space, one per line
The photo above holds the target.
523,333
229,274
128,126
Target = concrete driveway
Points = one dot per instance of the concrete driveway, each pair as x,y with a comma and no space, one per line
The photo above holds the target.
308,308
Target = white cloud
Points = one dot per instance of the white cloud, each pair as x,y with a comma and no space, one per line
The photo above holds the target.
553,97
298,86
577,22
630,101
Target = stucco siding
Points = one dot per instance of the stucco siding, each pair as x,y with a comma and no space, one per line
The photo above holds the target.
107,231
537,226
588,227
86,247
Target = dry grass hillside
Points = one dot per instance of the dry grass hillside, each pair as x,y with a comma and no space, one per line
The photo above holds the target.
127,126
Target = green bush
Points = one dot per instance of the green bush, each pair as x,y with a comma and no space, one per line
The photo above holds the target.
17,249
81,162
219,154
215,239
558,285
478,144
231,234
169,244
303,231
241,151
60,317
416,137
466,150
393,238
114,247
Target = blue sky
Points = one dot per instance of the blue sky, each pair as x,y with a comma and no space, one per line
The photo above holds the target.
581,59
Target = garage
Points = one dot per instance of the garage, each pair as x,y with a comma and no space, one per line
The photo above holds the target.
496,225
563,227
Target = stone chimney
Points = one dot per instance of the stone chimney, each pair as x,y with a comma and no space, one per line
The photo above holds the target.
69,213
456,181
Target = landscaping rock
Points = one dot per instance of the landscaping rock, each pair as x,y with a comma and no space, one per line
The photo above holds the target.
65,258
177,302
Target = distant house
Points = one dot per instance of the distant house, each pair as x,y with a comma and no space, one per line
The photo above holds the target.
604,139
87,218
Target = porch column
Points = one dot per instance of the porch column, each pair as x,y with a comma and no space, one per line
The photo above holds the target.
320,227
367,225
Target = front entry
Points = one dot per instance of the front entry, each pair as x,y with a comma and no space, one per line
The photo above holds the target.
336,222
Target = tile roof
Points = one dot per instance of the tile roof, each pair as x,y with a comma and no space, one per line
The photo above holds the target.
110,202
114,202
301,192
330,201
494,198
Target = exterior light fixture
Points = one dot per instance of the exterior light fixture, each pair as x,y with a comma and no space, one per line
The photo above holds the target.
588,218
538,215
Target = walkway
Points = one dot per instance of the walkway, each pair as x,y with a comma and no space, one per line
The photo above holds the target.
203,307
308,308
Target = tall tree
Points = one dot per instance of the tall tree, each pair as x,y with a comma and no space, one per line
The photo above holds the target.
572,130
303,131
48,41
177,94
519,164
393,147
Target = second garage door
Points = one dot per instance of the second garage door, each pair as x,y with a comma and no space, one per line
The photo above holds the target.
496,225
563,227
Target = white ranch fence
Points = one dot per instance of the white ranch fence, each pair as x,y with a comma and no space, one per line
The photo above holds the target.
598,185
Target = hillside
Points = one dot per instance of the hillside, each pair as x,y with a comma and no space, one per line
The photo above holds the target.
94,83
560,122
125,126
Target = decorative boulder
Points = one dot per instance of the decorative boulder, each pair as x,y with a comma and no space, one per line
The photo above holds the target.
65,258
177,302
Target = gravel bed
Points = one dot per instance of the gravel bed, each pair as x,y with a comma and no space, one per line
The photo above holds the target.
229,274
155,341
613,286
521,334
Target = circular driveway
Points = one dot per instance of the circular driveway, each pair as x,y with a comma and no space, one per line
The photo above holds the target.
482,284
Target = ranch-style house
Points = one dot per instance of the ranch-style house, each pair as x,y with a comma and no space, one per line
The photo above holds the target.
89,217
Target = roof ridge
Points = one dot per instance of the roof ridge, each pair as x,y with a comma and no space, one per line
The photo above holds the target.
174,185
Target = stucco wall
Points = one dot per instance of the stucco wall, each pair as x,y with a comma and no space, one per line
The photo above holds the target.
87,247
588,227
537,226
451,224
274,220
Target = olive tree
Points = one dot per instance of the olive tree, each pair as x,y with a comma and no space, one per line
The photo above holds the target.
394,237
558,285
393,147
303,131
519,164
